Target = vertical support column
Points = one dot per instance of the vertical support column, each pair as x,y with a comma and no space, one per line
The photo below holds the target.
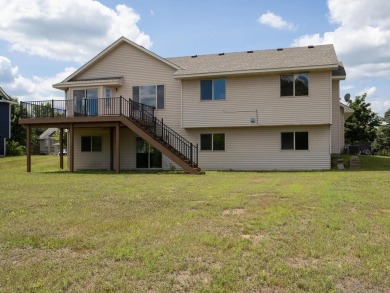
111,148
28,148
71,130
61,148
117,148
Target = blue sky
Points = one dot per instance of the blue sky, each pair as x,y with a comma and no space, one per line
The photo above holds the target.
42,42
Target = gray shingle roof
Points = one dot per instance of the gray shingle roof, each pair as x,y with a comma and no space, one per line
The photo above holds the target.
323,56
340,71
4,96
47,133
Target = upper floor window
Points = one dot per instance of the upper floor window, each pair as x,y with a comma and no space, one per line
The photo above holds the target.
151,95
212,142
295,140
213,89
294,85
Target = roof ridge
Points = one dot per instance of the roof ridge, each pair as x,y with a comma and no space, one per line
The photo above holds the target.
246,51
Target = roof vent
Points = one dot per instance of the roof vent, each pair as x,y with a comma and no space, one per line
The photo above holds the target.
194,56
251,51
310,47
279,49
221,54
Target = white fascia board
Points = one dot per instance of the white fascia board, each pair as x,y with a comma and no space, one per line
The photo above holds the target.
256,71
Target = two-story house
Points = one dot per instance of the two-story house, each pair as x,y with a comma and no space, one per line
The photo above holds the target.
129,108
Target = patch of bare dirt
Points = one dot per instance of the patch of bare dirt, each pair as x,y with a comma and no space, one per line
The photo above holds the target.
267,289
357,286
23,256
256,238
186,279
233,212
300,263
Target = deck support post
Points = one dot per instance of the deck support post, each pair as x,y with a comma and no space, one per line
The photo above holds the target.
111,148
117,148
71,130
28,148
61,148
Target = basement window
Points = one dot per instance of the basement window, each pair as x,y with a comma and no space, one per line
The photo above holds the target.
295,141
91,143
212,142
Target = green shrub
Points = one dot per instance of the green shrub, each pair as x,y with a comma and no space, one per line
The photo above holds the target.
15,149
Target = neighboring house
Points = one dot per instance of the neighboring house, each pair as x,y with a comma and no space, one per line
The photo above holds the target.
47,144
5,120
254,110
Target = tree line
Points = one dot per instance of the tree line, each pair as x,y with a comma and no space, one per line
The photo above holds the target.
365,127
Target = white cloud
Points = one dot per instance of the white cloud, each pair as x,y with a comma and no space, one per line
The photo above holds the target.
346,87
361,39
378,103
7,72
275,21
66,30
29,89
369,91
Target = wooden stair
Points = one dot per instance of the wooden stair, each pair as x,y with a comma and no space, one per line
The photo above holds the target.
149,136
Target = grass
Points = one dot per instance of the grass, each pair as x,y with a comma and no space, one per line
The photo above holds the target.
167,232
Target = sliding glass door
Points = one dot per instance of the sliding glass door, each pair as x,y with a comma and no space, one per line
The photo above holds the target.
85,102
147,155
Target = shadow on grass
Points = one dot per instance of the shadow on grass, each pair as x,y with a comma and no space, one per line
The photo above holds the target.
123,172
367,163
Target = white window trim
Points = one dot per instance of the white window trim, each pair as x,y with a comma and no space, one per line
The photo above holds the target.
155,85
294,74
212,142
212,90
295,150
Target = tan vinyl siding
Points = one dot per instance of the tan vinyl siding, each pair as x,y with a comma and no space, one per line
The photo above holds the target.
259,148
335,128
258,97
101,160
92,160
139,68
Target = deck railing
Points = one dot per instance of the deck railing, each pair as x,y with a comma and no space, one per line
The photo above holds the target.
138,113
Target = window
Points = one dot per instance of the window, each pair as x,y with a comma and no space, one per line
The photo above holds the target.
214,89
294,85
151,95
91,143
295,140
212,142
108,96
147,155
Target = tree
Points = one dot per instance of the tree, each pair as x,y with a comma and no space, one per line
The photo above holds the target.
18,132
361,127
383,139
383,136
386,118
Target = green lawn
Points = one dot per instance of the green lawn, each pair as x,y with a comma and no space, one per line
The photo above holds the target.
220,232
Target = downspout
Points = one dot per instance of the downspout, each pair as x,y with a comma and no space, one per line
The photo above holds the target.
330,112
